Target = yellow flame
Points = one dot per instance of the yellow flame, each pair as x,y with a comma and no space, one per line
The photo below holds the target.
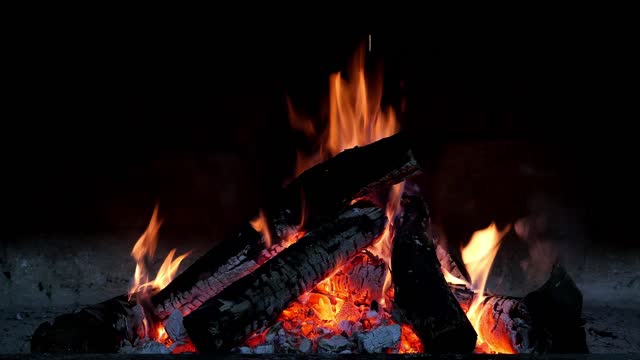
478,257
143,252
261,225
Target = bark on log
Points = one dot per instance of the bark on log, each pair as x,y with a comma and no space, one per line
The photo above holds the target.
422,297
256,300
323,190
330,186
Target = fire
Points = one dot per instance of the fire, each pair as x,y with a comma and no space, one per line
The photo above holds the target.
478,257
143,252
356,118
142,287
261,225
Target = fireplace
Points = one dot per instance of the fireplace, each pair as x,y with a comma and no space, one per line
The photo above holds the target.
380,235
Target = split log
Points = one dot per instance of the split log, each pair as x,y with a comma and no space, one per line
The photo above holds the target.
505,323
318,194
548,319
360,280
256,300
422,297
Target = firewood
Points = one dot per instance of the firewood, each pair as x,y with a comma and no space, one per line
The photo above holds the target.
422,297
317,194
96,328
548,319
256,300
325,189
505,322
328,187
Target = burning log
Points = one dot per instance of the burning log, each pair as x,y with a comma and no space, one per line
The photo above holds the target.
257,299
316,195
323,190
546,320
505,322
422,297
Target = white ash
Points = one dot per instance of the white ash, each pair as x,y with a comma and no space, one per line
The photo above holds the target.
335,344
174,327
137,325
144,347
264,349
305,346
379,339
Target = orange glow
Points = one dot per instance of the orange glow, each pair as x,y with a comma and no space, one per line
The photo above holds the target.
478,257
410,342
382,248
356,118
336,306
142,287
261,225
143,252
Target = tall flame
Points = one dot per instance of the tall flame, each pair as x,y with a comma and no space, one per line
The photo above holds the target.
355,119
143,252
355,116
478,257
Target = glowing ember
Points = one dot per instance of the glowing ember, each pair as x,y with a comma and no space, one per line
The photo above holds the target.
346,302
410,342
355,119
478,257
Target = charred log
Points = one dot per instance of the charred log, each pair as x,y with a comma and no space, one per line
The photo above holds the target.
557,307
422,297
256,300
97,328
322,192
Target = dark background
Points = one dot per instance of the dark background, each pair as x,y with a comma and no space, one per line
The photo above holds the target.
104,118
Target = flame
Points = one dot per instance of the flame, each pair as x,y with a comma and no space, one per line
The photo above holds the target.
261,225
143,252
355,119
383,247
478,257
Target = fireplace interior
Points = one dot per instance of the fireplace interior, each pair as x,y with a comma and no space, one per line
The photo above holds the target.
434,191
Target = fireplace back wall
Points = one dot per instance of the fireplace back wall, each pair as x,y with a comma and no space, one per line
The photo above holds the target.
109,124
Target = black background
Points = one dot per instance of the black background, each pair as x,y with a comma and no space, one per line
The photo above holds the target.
105,117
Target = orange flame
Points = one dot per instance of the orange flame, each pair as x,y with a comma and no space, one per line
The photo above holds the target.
478,257
355,119
143,252
261,225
